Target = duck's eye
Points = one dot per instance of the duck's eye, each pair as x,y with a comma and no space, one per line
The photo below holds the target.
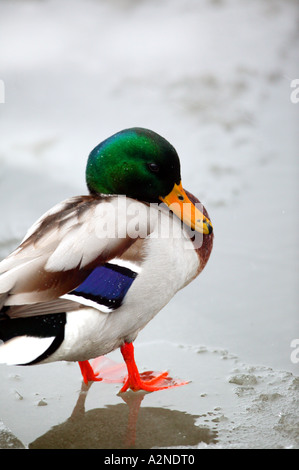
154,167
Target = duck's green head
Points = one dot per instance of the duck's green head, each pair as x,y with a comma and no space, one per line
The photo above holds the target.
142,165
136,162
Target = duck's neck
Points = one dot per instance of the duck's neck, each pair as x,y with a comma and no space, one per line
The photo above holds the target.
205,249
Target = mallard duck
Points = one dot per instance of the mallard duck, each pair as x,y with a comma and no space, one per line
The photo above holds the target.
95,269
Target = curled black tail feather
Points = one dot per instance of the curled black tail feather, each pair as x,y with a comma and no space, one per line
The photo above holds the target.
42,326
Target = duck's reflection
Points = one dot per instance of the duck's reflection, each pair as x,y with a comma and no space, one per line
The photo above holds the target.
124,426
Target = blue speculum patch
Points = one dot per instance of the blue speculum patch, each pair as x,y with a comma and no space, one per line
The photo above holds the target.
107,285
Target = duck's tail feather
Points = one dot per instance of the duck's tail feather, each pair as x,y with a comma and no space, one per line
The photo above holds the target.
27,341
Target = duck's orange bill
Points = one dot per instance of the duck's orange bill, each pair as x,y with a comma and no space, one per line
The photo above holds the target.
179,203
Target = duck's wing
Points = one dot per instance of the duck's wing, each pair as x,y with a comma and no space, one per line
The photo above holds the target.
68,247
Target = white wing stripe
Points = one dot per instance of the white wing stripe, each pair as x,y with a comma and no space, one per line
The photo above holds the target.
87,302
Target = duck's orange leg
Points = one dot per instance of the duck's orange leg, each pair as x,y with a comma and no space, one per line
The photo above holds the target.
147,381
88,373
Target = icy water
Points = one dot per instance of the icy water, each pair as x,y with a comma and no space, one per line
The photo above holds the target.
216,78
